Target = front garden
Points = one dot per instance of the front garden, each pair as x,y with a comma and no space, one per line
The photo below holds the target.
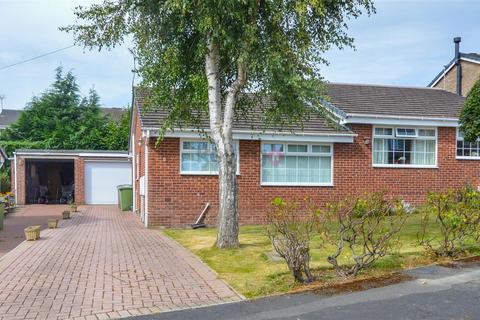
395,235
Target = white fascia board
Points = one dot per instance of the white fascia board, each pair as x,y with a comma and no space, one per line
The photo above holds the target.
70,155
104,155
400,120
271,136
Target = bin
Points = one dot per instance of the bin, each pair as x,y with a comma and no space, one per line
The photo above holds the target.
125,197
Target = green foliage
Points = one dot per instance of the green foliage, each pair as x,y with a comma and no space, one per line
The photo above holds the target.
60,118
279,43
4,179
368,229
118,133
470,116
457,214
290,228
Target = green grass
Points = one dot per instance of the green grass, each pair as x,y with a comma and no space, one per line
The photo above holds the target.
251,273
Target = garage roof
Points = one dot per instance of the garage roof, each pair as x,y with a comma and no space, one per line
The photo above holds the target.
73,153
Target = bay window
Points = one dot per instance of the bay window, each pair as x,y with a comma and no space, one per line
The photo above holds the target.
296,164
200,157
404,146
465,149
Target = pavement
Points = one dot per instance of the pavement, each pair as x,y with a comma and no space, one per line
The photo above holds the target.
103,264
436,293
14,223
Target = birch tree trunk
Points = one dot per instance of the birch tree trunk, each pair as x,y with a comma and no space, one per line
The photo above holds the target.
221,132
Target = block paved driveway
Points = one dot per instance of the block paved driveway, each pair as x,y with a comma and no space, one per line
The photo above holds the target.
103,264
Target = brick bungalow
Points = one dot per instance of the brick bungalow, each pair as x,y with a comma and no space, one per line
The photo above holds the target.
398,138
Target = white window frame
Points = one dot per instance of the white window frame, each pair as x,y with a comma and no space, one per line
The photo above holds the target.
308,153
394,136
459,138
236,145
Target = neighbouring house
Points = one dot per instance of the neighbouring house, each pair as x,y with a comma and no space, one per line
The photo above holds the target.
460,74
9,116
403,139
61,176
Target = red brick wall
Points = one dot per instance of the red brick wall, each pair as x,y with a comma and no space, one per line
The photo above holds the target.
20,181
177,200
79,173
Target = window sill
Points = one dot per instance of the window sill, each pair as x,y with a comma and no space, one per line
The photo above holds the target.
276,184
195,173
467,158
403,166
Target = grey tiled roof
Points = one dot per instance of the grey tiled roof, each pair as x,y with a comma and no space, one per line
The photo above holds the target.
394,101
9,116
114,113
349,99
253,120
470,56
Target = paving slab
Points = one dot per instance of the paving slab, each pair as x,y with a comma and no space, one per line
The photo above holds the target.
104,262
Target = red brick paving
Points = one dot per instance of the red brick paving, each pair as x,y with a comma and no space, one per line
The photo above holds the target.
103,264
12,234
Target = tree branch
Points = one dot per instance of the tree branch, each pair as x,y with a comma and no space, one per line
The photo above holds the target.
231,100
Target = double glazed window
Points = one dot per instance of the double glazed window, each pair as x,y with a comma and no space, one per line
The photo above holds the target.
465,149
296,164
404,146
200,157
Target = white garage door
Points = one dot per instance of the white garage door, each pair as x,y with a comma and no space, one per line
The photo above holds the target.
102,179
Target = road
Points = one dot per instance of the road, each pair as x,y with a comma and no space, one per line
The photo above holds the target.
435,293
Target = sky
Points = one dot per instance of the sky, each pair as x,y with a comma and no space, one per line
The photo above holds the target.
407,42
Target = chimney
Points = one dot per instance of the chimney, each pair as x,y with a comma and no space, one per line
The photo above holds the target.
1,103
457,40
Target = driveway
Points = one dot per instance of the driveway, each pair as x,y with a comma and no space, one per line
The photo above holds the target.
437,293
103,264
12,233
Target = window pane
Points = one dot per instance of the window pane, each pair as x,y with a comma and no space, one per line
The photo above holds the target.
406,132
195,145
297,148
426,132
383,131
267,147
186,162
321,149
297,169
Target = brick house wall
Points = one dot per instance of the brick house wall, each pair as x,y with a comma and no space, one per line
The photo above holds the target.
470,74
177,200
79,176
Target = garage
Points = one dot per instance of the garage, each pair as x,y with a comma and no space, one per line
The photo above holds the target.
49,181
102,179
63,176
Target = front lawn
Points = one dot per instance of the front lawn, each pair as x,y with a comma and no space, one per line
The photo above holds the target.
252,273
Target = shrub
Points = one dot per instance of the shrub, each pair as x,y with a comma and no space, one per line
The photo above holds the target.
289,228
456,213
368,229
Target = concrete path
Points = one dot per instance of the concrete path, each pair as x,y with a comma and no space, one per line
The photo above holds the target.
437,294
12,234
103,264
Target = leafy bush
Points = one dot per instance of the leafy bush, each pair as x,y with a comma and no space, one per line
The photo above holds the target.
4,180
457,214
290,228
368,229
